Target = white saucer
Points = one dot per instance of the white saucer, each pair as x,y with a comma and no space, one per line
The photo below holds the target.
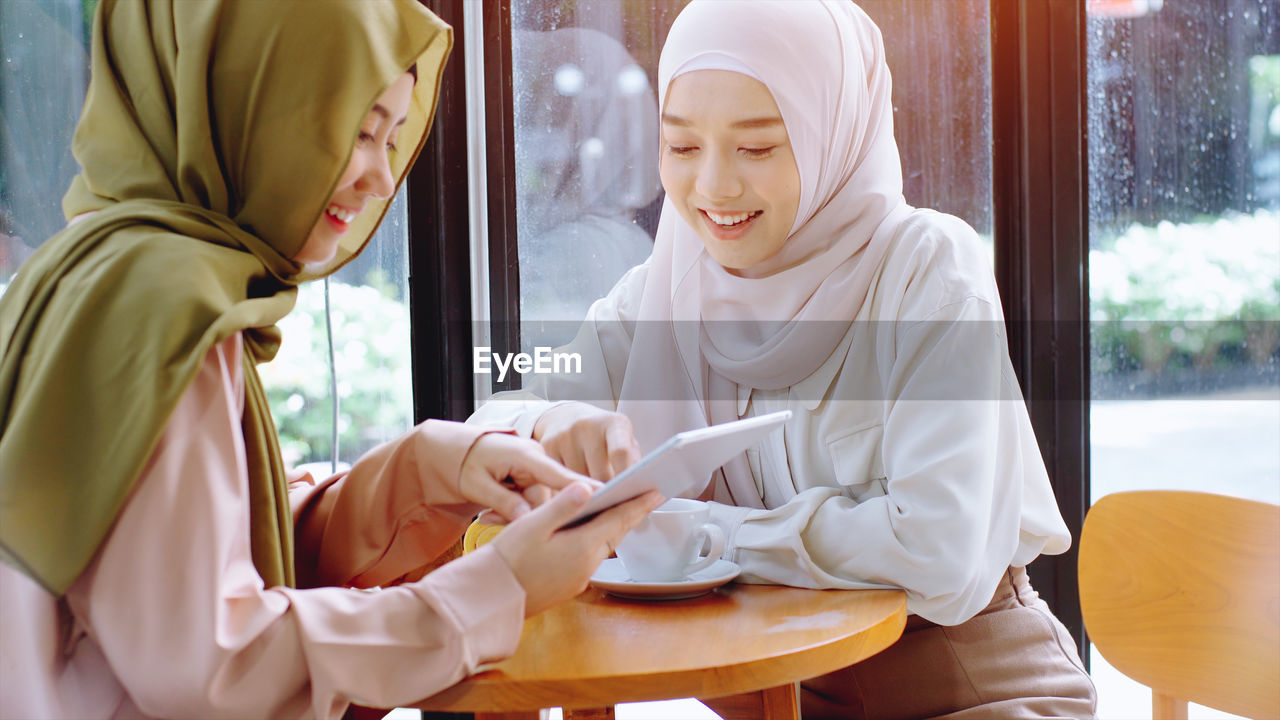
612,577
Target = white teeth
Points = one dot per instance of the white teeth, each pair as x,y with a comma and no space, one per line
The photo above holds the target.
726,219
346,216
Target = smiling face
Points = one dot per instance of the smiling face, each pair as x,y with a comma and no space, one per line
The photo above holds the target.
368,174
728,167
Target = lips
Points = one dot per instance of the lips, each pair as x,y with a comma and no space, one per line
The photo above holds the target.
339,218
729,225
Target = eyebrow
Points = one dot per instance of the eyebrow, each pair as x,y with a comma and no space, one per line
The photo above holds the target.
386,115
748,123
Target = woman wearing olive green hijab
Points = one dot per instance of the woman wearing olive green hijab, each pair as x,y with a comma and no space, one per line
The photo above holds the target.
154,546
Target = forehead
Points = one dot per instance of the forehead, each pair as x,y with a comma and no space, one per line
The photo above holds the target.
393,104
715,98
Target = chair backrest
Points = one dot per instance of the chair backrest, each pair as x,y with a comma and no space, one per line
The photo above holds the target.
1181,592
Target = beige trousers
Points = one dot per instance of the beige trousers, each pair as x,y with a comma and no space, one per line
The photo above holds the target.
1012,660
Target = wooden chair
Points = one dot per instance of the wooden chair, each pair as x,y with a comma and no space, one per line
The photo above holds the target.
1181,592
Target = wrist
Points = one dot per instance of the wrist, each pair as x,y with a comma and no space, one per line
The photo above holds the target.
462,468
541,423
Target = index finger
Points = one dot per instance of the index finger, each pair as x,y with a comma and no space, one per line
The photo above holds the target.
622,447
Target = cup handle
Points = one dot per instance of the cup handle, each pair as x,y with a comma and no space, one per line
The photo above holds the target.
713,533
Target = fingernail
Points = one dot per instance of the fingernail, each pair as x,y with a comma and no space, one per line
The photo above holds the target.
581,491
522,509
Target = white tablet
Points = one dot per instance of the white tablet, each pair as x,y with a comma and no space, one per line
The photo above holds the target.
683,462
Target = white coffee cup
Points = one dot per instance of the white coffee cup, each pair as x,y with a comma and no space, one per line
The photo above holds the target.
666,546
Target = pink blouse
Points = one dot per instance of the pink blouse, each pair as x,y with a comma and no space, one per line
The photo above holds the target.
172,620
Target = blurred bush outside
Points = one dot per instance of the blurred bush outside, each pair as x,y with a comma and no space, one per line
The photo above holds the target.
372,360
1188,298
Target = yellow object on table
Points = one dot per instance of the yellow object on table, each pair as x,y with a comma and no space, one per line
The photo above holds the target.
478,534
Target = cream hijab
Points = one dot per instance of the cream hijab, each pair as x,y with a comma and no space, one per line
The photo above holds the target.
824,63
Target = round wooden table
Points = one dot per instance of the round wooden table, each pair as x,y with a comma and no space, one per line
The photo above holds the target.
597,650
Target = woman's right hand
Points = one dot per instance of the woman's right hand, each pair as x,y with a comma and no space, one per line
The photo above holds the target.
588,440
554,565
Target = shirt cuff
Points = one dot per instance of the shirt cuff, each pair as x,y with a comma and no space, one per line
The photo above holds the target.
448,444
525,422
729,518
485,599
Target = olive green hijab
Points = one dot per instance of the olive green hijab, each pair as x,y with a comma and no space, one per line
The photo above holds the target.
213,135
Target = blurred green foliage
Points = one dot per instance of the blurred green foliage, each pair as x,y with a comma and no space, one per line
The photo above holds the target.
371,354
1199,295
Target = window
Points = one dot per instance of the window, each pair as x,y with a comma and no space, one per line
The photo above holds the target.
44,50
1184,256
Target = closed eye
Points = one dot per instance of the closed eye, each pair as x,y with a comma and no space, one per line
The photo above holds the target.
682,150
758,153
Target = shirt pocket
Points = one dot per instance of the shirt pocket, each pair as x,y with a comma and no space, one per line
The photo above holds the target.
858,463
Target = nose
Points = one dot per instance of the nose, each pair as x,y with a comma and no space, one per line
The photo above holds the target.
376,178
718,177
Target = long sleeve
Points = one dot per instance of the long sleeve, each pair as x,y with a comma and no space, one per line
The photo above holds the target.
175,608
936,499
918,469
369,526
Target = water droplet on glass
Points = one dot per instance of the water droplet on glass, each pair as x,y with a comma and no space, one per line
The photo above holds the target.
570,80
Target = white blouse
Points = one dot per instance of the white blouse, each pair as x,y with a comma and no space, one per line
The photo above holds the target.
909,461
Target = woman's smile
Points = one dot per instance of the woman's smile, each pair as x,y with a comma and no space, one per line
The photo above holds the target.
730,226
339,218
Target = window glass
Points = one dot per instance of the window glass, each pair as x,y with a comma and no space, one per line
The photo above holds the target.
43,46
586,136
368,313
1184,256
586,149
44,50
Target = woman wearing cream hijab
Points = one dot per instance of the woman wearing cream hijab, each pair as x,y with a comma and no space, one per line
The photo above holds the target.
159,561
789,273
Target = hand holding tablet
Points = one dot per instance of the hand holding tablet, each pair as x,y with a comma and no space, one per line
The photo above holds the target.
683,462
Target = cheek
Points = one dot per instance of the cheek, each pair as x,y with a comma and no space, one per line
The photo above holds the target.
784,189
667,175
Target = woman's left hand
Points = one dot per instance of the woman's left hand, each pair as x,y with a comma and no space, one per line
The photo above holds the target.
511,475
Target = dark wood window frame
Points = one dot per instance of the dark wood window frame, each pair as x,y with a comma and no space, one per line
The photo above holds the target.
1040,222
1039,186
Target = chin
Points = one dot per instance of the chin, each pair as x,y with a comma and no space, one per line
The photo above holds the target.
316,252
